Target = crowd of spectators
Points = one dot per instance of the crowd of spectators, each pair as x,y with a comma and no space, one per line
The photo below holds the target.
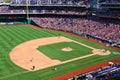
80,12
110,1
59,2
113,75
109,75
5,9
113,1
115,14
106,30
50,2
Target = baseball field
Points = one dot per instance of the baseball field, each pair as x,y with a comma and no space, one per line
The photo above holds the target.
28,53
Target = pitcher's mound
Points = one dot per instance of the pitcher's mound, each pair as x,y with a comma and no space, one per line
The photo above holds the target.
67,49
101,52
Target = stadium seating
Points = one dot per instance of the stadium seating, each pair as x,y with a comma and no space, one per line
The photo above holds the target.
109,1
83,26
108,30
5,9
49,2
80,26
112,14
109,75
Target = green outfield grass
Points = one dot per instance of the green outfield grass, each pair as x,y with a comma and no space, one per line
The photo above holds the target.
11,36
54,50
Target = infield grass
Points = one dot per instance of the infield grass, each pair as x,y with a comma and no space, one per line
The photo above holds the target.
11,36
54,51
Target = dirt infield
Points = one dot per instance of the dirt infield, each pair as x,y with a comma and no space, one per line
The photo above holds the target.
101,52
28,57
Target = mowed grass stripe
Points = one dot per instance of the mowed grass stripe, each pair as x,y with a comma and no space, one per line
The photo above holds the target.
15,33
21,33
9,68
30,33
34,32
11,34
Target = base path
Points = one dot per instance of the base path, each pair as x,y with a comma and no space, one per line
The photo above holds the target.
28,57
